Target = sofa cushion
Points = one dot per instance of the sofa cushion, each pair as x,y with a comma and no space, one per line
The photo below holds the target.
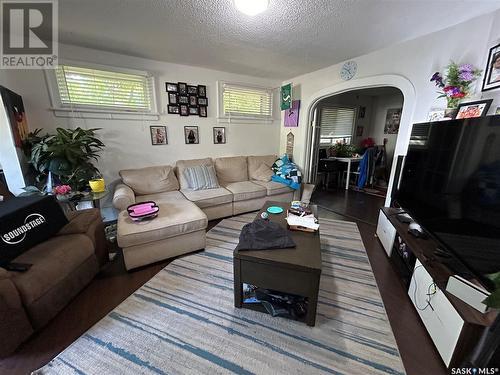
169,196
150,180
181,166
254,162
263,173
274,188
174,218
53,262
209,197
201,177
245,190
231,169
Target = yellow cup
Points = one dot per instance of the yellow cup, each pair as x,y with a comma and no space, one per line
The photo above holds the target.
97,185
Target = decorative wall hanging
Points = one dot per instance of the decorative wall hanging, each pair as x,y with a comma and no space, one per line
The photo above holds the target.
191,135
289,144
292,115
219,136
158,135
286,96
187,100
392,121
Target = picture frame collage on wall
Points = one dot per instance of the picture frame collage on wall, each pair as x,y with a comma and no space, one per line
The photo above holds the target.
187,100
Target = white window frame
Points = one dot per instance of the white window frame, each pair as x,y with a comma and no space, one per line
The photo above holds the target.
87,111
333,140
223,118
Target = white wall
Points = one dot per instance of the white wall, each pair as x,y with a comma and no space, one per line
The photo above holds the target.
415,60
379,113
128,142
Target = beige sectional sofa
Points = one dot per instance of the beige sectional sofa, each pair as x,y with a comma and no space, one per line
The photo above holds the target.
184,213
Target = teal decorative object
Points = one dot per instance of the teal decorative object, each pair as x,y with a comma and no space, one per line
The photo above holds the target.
274,210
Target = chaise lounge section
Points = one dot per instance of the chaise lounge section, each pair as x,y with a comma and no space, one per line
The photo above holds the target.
184,212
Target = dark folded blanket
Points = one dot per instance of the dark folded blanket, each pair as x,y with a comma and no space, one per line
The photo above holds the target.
262,234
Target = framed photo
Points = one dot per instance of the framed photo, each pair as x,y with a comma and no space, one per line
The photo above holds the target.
193,100
192,90
158,135
361,112
202,111
497,111
392,120
184,110
182,86
191,135
173,109
492,72
183,99
436,114
473,109
219,136
203,101
172,98
193,111
359,131
202,91
171,87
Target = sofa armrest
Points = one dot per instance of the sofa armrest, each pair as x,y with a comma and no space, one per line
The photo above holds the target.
15,326
123,197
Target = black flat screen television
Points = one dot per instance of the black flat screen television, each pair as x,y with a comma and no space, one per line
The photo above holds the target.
450,185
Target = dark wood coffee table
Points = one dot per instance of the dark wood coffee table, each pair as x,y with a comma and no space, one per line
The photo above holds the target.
295,270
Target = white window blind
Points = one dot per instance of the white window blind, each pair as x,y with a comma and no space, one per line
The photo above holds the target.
104,89
336,123
246,101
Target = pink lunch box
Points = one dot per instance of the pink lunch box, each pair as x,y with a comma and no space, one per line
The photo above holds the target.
143,210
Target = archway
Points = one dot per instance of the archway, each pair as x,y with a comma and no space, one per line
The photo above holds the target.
399,82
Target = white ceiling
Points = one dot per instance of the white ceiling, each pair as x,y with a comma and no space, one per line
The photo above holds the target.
291,38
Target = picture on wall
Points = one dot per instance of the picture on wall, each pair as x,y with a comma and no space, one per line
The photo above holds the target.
171,87
392,120
359,131
191,135
492,72
219,135
292,115
158,135
184,110
202,91
172,98
182,88
191,100
361,112
173,109
473,109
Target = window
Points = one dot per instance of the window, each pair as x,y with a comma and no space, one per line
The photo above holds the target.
87,88
336,124
243,101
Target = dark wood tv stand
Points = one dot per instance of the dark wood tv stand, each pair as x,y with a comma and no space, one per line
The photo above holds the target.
454,326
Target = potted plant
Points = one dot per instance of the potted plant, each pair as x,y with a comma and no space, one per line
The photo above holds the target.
342,150
455,85
66,156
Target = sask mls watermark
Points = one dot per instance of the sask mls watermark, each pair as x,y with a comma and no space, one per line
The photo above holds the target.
29,34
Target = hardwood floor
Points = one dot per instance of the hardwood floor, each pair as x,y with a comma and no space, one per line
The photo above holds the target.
415,346
114,284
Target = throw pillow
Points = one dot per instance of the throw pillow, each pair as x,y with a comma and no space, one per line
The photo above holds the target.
263,173
201,177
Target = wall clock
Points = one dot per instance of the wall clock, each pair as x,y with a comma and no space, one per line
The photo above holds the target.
348,70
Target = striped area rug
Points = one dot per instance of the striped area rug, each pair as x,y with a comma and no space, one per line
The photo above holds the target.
183,320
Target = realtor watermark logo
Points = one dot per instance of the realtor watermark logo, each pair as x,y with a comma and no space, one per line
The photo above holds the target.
29,37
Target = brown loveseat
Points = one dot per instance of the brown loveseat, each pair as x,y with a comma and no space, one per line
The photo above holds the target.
61,267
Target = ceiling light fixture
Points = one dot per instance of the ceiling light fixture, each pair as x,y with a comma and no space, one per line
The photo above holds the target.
251,7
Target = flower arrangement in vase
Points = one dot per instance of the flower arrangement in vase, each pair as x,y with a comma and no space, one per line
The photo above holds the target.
456,84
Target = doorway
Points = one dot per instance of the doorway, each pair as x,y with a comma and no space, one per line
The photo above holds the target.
354,138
